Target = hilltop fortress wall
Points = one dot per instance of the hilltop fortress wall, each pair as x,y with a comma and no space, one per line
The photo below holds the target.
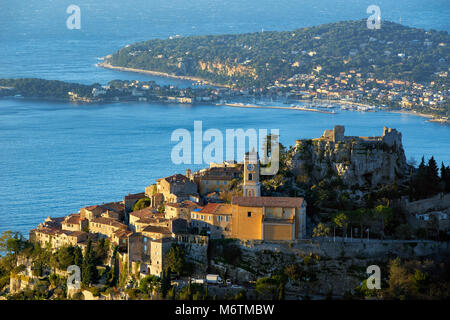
359,248
357,160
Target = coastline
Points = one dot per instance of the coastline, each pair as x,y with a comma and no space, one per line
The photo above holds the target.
158,73
254,106
106,65
431,118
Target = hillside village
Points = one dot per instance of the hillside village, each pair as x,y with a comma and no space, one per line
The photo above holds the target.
181,210
223,221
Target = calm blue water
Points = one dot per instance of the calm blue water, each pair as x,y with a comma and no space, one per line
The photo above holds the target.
56,158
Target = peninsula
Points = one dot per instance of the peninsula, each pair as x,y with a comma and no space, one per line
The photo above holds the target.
396,67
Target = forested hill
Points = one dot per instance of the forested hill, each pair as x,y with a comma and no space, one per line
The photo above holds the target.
41,88
258,59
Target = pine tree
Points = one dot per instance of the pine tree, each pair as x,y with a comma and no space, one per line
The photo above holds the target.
445,178
432,181
420,180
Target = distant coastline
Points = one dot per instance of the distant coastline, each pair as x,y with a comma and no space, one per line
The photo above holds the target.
429,116
254,106
157,73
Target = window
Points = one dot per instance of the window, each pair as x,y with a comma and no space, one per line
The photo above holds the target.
249,214
219,218
145,247
227,219
209,218
250,177
202,217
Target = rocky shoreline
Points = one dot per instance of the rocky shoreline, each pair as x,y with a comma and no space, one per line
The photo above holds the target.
157,73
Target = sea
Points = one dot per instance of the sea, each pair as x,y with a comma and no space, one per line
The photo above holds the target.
56,158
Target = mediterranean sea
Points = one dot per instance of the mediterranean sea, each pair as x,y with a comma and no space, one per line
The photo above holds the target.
57,157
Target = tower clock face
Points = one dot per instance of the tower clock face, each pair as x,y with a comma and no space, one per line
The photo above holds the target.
250,167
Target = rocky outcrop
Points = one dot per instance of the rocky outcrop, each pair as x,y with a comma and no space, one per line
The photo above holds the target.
363,161
228,70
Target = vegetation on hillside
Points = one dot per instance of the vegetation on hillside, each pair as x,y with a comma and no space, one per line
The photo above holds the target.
260,59
41,88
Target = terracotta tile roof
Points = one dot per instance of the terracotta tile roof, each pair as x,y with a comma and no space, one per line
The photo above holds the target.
122,233
143,213
156,229
74,218
136,196
216,208
152,220
96,209
211,177
175,178
183,204
47,230
74,233
209,208
287,202
109,221
57,219
50,224
218,173
114,206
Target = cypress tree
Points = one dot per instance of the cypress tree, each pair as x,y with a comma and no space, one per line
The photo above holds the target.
78,256
88,269
432,181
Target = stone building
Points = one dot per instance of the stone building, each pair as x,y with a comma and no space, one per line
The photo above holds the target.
73,222
215,178
147,255
214,218
268,218
113,210
105,227
180,210
177,188
56,238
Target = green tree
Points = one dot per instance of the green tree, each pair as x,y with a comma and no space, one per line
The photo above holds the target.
445,178
433,177
174,260
321,230
341,220
165,283
88,269
65,257
77,256
267,288
141,204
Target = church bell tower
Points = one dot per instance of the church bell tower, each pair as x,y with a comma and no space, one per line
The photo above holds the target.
252,186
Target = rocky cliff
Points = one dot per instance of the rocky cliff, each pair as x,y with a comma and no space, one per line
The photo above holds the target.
367,162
